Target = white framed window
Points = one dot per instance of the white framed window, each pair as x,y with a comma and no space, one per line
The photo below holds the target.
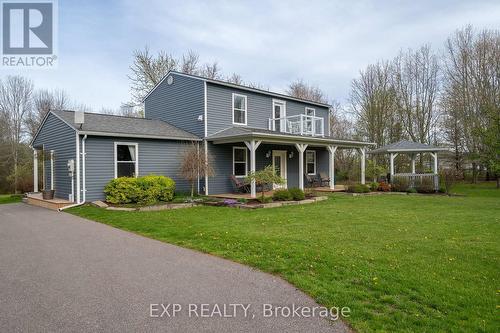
310,121
240,161
126,159
239,109
311,162
279,115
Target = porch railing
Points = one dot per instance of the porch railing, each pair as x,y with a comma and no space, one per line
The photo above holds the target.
300,124
415,179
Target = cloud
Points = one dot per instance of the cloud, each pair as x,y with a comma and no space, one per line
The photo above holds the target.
273,43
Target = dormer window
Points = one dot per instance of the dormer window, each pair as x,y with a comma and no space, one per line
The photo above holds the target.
239,109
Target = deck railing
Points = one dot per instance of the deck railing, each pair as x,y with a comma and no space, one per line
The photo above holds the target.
415,179
299,124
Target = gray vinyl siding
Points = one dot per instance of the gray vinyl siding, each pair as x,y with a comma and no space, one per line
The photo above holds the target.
222,162
259,108
60,137
160,157
179,104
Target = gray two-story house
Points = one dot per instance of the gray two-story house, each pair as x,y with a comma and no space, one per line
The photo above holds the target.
241,129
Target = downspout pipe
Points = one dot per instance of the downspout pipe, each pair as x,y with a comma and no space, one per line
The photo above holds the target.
79,203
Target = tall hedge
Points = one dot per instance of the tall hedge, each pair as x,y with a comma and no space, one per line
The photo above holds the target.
145,190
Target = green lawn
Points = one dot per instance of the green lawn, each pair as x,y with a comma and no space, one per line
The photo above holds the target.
10,198
401,263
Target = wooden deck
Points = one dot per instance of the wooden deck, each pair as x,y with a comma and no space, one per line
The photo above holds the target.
324,189
36,199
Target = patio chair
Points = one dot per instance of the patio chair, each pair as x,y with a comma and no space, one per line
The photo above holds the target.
311,181
324,178
239,185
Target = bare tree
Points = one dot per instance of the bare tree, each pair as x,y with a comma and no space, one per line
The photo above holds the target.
147,70
44,101
472,94
195,164
235,78
15,105
211,71
416,83
302,90
373,100
189,64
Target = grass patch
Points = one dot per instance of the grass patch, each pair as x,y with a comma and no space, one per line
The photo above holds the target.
401,263
10,198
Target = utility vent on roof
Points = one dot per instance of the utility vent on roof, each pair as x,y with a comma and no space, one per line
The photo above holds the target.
170,80
79,117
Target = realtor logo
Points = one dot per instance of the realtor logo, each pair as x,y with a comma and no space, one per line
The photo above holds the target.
28,28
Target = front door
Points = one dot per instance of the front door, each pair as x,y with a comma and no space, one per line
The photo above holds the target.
279,166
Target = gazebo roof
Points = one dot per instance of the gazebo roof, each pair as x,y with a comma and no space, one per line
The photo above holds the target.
406,147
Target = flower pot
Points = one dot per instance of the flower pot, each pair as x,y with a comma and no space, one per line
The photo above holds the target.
48,194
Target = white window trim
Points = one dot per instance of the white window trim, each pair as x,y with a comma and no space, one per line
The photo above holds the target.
246,161
309,108
314,161
283,122
246,108
136,156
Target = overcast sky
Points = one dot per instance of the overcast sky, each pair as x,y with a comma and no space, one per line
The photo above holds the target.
324,43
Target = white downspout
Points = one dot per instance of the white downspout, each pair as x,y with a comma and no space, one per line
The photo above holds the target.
84,187
77,167
79,203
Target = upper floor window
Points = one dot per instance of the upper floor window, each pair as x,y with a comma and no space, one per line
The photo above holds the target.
309,120
279,115
239,109
310,112
126,160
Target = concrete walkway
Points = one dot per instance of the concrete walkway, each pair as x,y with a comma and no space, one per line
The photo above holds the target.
62,273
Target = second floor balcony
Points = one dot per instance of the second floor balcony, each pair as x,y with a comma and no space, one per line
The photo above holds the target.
300,124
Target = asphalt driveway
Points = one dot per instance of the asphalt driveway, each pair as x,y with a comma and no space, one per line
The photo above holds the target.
59,272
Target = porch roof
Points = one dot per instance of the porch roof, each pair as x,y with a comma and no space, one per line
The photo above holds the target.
239,133
406,147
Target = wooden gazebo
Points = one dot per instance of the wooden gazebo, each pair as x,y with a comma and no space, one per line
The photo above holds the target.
413,149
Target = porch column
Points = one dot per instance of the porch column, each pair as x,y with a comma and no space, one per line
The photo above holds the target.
393,156
331,165
51,169
35,170
413,158
301,148
435,157
252,146
363,158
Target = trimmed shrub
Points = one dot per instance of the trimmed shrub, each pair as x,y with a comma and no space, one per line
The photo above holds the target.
358,188
282,195
426,185
297,194
384,187
122,190
145,190
400,184
374,186
411,190
265,199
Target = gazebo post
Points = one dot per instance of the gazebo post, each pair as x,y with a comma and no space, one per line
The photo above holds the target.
413,158
435,157
363,158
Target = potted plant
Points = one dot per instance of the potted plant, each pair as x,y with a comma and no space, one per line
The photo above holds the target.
48,194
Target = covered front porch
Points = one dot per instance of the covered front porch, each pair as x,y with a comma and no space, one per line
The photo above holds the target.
301,161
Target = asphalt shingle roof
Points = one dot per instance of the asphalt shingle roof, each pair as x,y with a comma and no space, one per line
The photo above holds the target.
405,146
103,123
236,131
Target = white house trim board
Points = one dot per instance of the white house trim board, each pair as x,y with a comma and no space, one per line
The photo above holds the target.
331,165
77,167
246,108
252,146
136,156
301,147
51,169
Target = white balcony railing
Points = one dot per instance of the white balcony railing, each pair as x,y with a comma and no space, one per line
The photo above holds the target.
299,124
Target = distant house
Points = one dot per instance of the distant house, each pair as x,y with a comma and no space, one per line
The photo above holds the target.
241,128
